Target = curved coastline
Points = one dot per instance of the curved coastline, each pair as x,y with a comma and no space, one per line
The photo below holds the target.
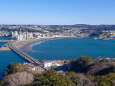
39,42
26,44
35,43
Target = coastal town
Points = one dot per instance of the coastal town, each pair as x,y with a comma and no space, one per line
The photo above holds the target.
19,38
26,32
57,43
23,32
24,35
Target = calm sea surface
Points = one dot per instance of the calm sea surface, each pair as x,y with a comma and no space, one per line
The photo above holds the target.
66,48
6,57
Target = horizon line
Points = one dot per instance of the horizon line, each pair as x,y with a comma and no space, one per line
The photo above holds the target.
57,24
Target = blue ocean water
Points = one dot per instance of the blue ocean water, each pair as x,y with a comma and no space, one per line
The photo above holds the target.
7,57
3,38
68,48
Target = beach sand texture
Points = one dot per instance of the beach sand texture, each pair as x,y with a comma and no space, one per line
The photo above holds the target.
26,43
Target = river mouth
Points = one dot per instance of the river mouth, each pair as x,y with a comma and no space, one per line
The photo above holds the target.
69,48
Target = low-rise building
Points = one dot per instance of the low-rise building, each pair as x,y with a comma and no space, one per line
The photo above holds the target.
51,64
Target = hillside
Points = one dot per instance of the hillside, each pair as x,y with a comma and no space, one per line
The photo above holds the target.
82,71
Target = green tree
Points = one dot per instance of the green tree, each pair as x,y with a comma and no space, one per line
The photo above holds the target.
106,80
51,78
73,77
13,68
81,64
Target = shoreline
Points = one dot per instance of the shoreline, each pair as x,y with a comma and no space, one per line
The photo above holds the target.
3,48
26,43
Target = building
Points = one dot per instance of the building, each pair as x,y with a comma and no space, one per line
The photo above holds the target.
24,36
51,64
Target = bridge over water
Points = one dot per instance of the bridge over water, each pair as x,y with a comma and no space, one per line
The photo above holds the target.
24,55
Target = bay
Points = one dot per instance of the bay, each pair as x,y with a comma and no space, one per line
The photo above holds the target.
69,48
62,48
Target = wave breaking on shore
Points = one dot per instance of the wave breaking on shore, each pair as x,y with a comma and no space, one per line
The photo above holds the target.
33,44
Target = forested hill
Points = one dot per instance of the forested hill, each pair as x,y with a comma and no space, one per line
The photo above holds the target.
82,71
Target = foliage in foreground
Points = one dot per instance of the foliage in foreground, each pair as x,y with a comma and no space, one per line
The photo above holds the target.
105,80
51,78
83,71
13,68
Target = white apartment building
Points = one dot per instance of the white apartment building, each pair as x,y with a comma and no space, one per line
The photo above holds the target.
50,64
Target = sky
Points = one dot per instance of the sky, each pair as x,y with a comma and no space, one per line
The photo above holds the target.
57,12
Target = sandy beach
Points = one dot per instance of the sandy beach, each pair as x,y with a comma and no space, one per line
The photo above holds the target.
4,48
26,43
